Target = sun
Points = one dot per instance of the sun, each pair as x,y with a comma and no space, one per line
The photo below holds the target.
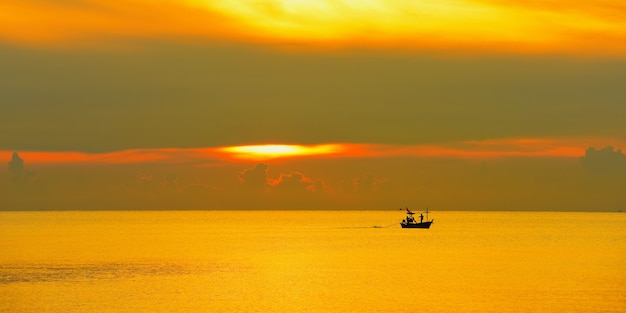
271,151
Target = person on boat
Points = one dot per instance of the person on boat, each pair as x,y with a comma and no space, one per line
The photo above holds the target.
421,217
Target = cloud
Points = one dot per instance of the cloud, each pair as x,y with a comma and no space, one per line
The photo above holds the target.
197,188
171,182
484,25
297,182
484,149
605,160
256,178
159,155
144,182
476,149
16,168
96,23
16,165
369,183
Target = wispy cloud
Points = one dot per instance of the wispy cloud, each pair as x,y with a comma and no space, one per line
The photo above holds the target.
489,148
118,157
480,149
584,27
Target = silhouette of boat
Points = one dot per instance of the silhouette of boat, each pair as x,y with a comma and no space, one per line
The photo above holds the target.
410,222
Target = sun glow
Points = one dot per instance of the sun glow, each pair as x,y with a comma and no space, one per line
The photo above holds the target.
482,149
271,151
363,20
482,25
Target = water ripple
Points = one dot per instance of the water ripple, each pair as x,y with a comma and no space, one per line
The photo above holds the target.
37,272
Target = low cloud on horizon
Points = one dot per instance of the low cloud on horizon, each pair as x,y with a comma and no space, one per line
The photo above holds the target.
588,183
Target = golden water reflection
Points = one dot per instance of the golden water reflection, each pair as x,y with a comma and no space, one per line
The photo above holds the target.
319,261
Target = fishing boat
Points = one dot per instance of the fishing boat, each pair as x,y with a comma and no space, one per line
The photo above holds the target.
410,222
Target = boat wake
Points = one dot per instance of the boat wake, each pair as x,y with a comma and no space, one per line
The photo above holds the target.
375,226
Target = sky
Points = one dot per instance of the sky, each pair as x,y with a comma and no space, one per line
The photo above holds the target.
327,104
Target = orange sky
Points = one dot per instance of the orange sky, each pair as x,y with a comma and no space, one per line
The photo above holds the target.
462,104
594,27
483,149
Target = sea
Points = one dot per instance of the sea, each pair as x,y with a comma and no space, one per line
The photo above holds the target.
311,261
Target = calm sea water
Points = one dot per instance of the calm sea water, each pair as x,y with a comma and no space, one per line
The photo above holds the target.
314,261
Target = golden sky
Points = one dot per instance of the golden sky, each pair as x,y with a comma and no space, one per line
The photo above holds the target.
313,104
594,27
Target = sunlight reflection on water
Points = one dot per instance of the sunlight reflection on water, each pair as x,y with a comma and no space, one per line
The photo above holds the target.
318,261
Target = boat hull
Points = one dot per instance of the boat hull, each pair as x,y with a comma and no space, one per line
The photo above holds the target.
416,225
